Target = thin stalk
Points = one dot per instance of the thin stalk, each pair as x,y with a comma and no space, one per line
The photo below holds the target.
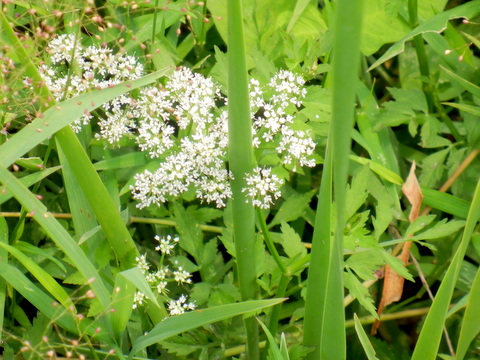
324,312
269,242
241,162
432,100
274,316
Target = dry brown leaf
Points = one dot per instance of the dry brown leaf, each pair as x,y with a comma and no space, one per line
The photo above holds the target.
411,189
393,283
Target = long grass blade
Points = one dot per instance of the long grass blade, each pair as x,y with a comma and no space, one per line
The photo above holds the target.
324,312
431,333
180,323
471,319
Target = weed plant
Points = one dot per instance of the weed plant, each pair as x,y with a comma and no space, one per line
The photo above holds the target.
239,179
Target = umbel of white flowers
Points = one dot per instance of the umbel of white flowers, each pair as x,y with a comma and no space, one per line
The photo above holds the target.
184,123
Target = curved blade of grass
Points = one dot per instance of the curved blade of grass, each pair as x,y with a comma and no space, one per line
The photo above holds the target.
241,162
28,181
363,337
57,233
122,301
431,333
467,85
437,24
471,319
47,281
274,351
447,203
324,311
32,249
381,170
46,305
59,116
191,320
4,260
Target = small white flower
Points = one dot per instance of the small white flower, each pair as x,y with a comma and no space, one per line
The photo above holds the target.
138,299
167,244
177,307
263,187
142,264
182,276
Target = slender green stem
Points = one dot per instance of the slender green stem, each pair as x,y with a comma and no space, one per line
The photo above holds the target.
275,314
269,242
241,163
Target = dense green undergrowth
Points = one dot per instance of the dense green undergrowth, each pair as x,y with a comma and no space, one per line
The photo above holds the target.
180,181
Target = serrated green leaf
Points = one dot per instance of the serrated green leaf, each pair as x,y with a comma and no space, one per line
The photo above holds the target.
360,292
292,208
292,243
441,229
419,223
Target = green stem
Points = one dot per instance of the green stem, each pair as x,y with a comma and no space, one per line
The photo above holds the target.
275,314
269,242
241,162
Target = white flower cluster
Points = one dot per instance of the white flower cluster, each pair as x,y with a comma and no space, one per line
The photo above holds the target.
275,106
159,279
184,124
263,187
75,70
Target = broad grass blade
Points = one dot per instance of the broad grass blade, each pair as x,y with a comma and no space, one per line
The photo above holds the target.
180,323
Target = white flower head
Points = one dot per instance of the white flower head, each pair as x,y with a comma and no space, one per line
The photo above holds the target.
263,187
182,276
177,307
167,244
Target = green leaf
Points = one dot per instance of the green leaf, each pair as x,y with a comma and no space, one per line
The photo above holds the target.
47,281
28,181
3,259
382,171
363,337
440,229
61,115
431,333
191,238
474,110
465,84
471,319
381,27
292,208
180,323
292,243
360,292
437,24
122,301
274,352
57,233
445,202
